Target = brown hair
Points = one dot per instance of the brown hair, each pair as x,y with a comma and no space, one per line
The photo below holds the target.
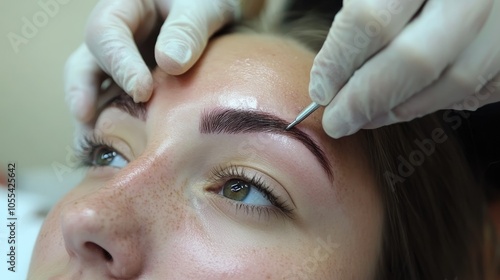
434,210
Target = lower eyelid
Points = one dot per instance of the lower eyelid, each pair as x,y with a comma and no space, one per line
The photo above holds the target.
246,213
104,172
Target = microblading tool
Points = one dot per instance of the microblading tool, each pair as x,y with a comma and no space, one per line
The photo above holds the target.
304,114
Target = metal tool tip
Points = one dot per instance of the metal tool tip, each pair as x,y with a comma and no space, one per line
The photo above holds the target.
302,115
290,126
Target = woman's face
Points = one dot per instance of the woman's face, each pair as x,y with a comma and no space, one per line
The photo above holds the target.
203,182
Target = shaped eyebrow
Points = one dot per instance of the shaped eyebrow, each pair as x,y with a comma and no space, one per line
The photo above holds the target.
126,104
234,121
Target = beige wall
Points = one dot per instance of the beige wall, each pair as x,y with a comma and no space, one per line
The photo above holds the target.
35,126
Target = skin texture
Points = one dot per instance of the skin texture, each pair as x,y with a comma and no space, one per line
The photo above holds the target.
162,215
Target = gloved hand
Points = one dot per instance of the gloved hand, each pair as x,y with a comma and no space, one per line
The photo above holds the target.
387,61
114,30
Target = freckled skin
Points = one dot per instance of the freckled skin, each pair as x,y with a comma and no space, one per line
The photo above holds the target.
157,218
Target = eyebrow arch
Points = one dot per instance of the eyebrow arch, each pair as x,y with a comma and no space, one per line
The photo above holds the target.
233,121
126,104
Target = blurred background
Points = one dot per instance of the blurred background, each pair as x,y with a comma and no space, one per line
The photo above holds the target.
37,37
35,126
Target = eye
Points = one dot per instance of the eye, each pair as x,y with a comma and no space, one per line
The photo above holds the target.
246,192
248,189
104,156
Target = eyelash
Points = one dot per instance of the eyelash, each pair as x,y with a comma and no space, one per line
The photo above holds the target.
90,144
87,148
222,174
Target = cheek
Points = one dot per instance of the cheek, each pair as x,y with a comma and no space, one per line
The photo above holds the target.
194,257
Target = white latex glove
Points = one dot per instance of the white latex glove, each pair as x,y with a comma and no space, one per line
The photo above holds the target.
382,63
114,30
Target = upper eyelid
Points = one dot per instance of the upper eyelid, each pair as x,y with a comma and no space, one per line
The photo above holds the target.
243,173
91,142
237,121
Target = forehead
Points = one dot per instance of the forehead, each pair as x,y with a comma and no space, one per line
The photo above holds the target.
263,72
258,55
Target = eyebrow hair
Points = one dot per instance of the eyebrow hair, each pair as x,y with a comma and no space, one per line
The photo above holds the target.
125,103
232,121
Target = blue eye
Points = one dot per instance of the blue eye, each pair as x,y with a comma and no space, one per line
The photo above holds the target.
245,192
104,156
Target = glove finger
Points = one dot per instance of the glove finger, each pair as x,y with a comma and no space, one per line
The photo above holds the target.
359,30
467,85
474,70
111,34
488,94
82,77
186,31
412,61
437,96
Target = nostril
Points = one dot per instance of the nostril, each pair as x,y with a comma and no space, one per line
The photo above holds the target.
107,255
98,249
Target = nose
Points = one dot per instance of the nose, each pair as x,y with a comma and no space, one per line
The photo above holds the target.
99,234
